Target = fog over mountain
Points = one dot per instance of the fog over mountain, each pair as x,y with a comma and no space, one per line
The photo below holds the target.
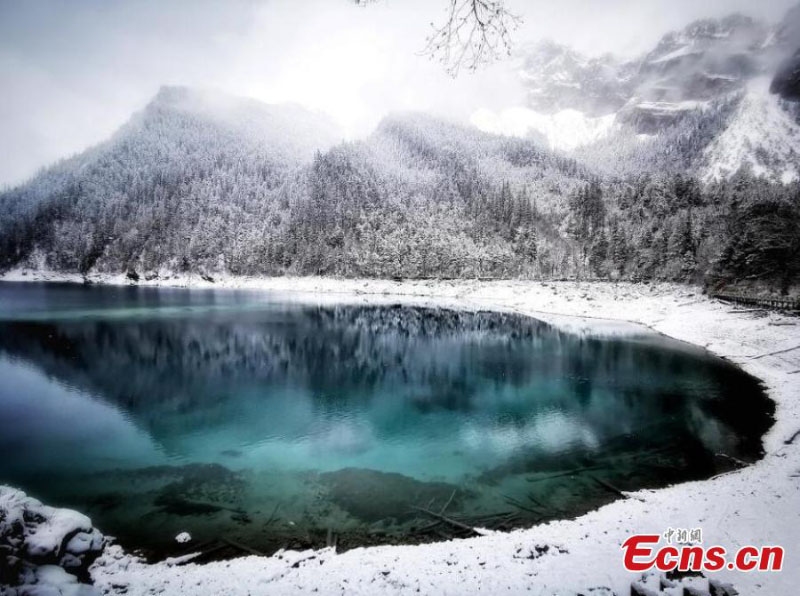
737,68
78,70
679,163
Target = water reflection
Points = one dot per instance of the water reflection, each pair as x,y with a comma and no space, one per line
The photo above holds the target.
269,387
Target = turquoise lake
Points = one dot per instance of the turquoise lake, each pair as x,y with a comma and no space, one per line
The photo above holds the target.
273,421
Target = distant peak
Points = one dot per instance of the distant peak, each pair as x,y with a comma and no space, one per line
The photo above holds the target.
172,92
716,28
174,95
194,97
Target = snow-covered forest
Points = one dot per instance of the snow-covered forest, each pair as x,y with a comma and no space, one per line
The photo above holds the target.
251,189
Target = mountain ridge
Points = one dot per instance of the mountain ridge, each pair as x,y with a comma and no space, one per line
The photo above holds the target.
199,181
575,100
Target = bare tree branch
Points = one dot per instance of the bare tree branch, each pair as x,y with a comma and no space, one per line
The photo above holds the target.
476,33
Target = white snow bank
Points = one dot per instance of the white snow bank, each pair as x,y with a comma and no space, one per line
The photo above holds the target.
52,580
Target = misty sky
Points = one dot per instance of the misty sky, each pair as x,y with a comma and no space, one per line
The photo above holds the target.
72,71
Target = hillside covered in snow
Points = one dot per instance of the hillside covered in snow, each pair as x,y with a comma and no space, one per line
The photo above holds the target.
681,165
713,70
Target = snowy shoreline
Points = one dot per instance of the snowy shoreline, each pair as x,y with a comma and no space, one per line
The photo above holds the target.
757,505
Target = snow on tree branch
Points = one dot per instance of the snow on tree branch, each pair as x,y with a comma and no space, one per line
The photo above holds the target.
476,33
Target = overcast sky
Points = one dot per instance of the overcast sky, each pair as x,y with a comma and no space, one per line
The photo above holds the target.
72,71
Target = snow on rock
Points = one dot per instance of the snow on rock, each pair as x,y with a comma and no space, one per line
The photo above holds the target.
762,135
44,546
183,538
671,107
680,52
52,580
564,130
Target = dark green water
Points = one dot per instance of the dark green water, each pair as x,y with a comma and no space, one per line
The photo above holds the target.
274,422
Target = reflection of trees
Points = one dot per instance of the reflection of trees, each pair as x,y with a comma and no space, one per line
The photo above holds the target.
194,365
352,350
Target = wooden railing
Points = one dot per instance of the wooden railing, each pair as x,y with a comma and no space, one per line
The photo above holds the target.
769,303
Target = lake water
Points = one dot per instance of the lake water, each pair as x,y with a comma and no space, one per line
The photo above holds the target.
276,422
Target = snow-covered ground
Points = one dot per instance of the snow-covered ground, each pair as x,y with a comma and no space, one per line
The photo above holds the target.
757,505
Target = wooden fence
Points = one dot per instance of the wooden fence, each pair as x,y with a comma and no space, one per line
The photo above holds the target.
769,303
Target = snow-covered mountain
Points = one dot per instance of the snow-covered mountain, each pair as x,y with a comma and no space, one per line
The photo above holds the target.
202,181
215,185
289,131
763,135
573,101
707,58
557,77
190,164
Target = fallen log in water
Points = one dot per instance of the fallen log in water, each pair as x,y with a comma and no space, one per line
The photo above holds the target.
536,501
272,517
450,500
563,473
202,551
512,501
608,486
243,547
448,520
202,554
604,463
735,460
428,528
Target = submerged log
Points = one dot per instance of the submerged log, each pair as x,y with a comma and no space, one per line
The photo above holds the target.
563,473
429,527
272,517
243,547
209,550
536,501
450,500
735,460
512,501
608,486
448,520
